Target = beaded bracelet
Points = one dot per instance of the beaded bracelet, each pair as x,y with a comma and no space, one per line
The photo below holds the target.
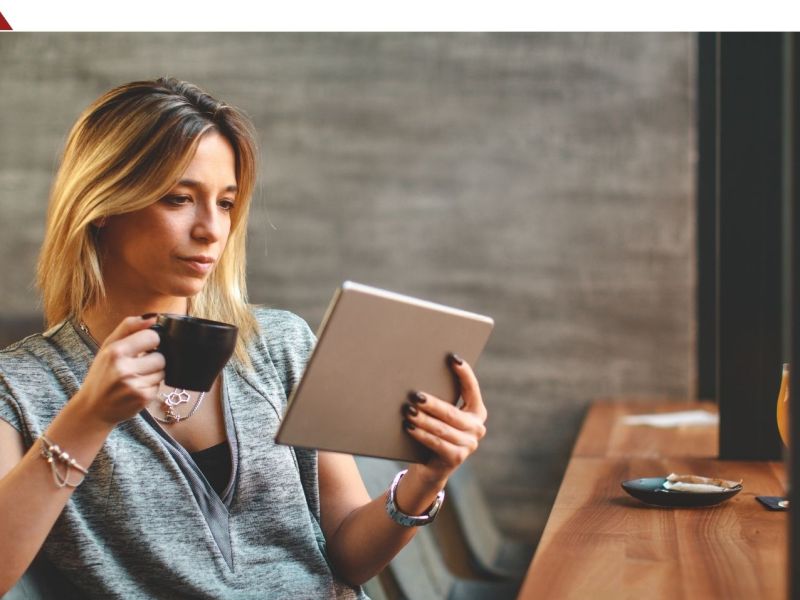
52,453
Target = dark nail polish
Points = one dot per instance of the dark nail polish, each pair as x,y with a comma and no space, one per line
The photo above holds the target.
408,425
455,359
417,397
410,409
148,316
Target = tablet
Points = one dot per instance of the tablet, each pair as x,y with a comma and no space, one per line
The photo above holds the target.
373,348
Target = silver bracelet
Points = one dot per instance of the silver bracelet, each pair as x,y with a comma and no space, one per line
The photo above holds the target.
402,518
53,453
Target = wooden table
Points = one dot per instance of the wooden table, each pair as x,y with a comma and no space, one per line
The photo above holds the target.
604,432
601,543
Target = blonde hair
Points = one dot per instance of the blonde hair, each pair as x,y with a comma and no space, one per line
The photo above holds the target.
126,151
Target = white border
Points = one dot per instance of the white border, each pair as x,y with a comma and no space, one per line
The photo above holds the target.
409,15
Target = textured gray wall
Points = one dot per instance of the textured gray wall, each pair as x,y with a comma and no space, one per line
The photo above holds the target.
545,179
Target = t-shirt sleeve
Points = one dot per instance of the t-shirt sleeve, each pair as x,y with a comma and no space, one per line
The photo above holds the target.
290,341
9,409
303,342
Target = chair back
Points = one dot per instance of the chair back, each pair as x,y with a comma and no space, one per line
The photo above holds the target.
418,569
474,516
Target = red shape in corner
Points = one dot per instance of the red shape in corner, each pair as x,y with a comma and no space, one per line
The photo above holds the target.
4,26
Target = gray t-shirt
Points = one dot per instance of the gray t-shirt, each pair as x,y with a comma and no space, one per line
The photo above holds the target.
145,523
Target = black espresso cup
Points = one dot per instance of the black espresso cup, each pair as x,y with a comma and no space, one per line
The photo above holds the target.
194,349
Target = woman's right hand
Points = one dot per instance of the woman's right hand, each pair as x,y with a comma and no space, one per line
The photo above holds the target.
125,374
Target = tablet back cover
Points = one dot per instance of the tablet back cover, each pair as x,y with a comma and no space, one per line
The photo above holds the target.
373,348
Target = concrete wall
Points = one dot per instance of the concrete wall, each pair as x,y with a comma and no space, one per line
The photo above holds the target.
545,179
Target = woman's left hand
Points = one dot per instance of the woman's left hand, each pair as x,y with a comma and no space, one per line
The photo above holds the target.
452,433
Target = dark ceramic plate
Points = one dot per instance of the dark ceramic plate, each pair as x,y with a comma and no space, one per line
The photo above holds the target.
650,490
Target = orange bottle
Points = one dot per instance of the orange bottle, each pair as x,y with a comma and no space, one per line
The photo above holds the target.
783,406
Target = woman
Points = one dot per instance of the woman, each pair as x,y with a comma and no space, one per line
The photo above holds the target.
131,489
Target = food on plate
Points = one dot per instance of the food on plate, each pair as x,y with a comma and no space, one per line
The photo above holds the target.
698,484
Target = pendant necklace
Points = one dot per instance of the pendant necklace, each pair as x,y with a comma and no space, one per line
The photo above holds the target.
174,398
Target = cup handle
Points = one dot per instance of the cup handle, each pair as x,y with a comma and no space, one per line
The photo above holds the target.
159,329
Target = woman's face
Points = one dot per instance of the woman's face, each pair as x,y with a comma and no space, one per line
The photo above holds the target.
166,251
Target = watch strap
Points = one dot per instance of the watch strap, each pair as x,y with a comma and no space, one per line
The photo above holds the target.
404,519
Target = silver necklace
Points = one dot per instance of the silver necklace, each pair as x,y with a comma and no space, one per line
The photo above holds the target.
85,330
175,398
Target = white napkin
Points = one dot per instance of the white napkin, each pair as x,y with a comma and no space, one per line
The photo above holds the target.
693,487
699,484
673,419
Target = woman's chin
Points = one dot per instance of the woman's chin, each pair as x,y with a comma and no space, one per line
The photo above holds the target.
189,289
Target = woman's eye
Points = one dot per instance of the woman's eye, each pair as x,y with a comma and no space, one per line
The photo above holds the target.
177,200
226,205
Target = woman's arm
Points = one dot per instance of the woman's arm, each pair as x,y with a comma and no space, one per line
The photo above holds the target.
361,537
119,384
30,501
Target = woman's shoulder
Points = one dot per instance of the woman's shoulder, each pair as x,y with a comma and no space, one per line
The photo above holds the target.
30,353
279,325
33,372
284,341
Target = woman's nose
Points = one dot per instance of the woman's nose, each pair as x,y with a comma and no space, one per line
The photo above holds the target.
207,224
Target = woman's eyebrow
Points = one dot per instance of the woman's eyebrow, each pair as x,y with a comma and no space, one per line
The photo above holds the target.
196,184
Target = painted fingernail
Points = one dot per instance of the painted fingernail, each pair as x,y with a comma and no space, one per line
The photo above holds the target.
410,409
417,397
455,359
408,425
148,316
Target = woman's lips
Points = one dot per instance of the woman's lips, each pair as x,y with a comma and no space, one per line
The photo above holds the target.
198,264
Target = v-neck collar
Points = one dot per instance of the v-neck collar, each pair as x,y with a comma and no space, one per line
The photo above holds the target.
230,434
